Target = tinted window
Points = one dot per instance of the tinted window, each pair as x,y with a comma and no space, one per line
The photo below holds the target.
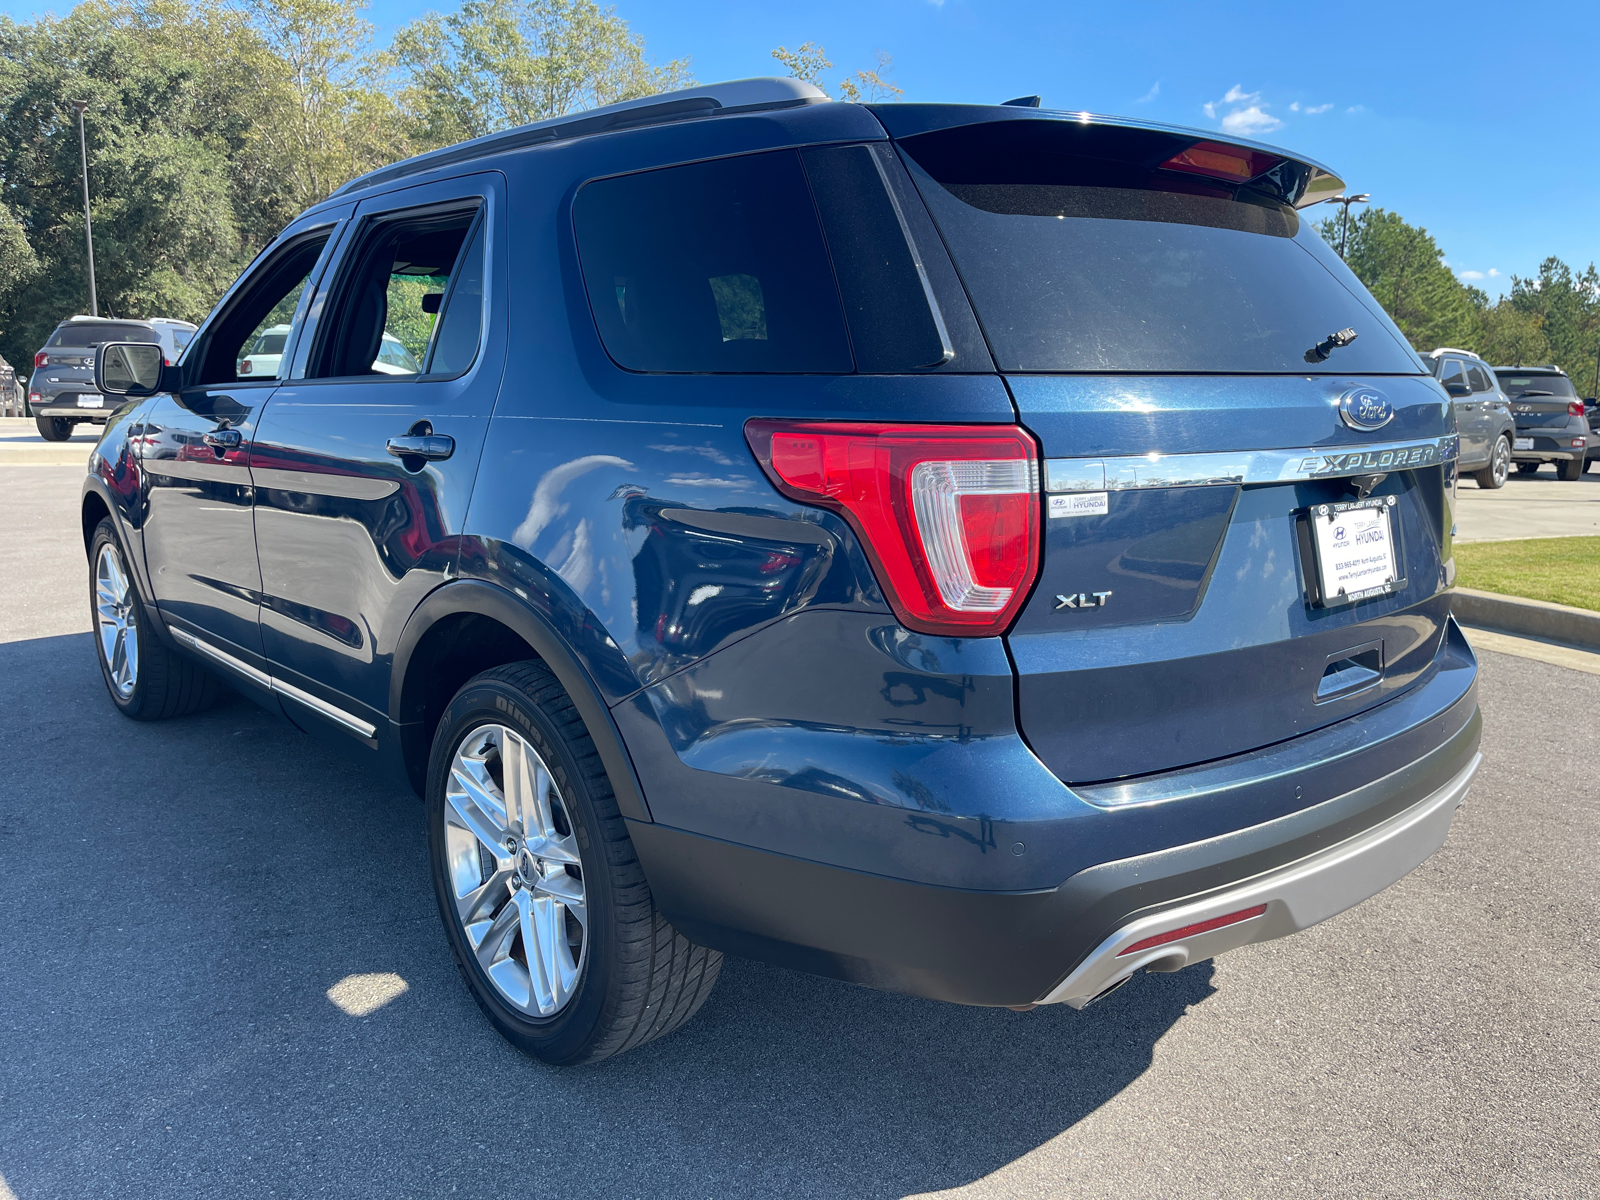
712,267
388,304
1479,378
1080,257
268,299
87,333
1452,372
456,343
1518,383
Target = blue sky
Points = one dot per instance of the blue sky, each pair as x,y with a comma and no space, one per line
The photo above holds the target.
1480,122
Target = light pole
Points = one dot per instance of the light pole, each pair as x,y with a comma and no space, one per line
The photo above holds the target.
88,228
1344,217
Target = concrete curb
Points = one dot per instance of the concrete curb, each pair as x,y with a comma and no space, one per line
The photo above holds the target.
1532,618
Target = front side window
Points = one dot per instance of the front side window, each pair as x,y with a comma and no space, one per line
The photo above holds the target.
712,267
1452,373
261,316
396,297
1479,378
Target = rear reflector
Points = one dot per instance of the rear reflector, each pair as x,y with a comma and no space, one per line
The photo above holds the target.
1177,935
948,514
1222,162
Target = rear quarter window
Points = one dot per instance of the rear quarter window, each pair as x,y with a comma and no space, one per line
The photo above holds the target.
712,267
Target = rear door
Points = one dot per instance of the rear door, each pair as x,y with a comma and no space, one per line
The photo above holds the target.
1168,337
365,458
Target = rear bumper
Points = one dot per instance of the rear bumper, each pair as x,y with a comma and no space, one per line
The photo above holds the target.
1290,899
1019,948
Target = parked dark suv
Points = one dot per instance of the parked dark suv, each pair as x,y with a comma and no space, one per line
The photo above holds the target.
1551,425
976,552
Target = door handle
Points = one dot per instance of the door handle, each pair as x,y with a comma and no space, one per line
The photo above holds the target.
223,439
433,447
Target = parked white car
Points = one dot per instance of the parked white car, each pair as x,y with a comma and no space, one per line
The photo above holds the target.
264,357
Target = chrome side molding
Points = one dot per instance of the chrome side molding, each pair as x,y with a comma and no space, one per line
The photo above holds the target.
1242,466
271,683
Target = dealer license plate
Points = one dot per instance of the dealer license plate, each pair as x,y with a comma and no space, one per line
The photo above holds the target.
91,400
1355,549
1522,444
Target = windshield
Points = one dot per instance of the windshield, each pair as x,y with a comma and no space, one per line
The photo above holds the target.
1514,385
1080,257
85,333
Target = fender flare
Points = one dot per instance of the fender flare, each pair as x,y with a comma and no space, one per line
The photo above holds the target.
487,600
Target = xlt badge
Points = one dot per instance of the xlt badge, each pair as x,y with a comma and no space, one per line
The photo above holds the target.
1082,600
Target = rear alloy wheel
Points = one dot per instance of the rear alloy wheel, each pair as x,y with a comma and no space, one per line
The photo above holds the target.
146,680
547,910
54,429
1499,468
1570,471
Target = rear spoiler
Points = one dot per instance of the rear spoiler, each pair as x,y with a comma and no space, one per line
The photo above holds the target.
1295,179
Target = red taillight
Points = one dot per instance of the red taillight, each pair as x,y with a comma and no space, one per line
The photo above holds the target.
245,366
1222,162
1575,408
948,514
41,359
1177,935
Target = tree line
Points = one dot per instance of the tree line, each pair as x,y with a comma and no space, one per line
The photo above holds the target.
212,123
1552,317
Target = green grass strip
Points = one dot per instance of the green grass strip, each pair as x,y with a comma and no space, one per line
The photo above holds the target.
1560,570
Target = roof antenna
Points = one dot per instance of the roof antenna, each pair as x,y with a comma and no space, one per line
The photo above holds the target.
1022,102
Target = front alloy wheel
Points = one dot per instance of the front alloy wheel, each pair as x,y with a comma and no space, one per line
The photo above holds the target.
515,872
115,623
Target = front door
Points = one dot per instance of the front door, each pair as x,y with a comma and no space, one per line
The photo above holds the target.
364,459
1453,374
195,454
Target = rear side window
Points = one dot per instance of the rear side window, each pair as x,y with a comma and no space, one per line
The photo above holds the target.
712,267
86,334
1081,255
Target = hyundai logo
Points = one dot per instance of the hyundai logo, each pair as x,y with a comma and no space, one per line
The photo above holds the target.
1365,408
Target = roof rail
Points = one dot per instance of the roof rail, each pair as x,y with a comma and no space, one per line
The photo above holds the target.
1451,350
711,100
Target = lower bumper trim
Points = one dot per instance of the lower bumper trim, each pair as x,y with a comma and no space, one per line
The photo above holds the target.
1292,898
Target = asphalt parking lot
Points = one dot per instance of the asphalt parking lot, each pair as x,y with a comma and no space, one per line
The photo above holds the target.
186,905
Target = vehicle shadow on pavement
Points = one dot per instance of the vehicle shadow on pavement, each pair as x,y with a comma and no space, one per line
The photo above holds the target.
187,894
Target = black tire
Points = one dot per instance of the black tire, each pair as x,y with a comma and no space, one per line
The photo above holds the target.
1526,468
1570,470
166,684
54,429
1494,475
639,979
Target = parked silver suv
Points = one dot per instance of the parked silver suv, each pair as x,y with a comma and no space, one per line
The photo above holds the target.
1483,414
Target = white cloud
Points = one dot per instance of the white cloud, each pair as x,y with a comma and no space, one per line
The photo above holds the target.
1493,274
1470,274
1355,108
1246,117
1155,90
1314,109
1247,122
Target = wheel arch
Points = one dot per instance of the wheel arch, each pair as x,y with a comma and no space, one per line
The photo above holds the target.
467,627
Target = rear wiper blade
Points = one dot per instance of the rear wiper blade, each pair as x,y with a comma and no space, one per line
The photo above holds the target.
1334,341
1520,395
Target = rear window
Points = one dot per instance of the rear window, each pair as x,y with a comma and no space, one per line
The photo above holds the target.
86,334
1080,256
1516,384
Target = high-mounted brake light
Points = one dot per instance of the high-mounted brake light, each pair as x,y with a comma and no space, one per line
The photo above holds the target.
41,359
1222,162
948,514
1176,935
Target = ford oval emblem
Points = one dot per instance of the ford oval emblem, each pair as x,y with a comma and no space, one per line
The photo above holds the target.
1365,408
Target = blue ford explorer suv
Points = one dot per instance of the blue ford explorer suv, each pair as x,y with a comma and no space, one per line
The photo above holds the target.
972,551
